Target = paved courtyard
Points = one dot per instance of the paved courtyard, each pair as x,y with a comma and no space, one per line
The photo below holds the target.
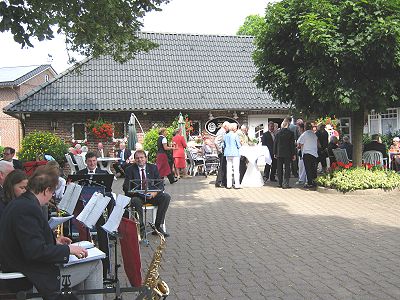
269,243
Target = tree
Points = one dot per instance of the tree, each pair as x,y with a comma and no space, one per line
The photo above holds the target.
92,28
252,25
332,56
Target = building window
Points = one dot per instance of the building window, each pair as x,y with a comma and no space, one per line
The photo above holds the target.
196,125
389,120
79,132
119,131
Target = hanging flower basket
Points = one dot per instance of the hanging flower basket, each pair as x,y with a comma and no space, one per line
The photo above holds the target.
100,129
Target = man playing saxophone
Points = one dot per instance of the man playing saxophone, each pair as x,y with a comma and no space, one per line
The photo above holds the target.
28,244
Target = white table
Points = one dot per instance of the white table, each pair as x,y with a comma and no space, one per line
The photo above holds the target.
252,177
109,161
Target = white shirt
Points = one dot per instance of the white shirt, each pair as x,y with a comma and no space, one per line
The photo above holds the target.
92,172
140,172
309,143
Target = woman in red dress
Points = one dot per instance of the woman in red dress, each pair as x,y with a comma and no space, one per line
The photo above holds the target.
179,153
162,159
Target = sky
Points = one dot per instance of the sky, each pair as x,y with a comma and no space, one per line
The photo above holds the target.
222,17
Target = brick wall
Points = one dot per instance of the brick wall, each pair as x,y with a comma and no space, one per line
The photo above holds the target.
10,128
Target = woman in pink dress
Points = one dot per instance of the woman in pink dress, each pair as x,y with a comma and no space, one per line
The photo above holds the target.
179,153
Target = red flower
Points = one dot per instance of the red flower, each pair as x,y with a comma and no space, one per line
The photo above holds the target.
378,162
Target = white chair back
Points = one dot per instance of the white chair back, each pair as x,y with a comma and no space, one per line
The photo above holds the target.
341,155
80,162
372,157
71,163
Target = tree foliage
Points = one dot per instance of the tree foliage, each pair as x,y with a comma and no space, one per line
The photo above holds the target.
331,56
92,28
253,25
325,54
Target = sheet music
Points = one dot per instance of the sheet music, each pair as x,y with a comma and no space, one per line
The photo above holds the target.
113,221
93,254
70,198
55,221
93,210
84,244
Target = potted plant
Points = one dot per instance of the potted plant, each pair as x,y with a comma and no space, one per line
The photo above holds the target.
100,129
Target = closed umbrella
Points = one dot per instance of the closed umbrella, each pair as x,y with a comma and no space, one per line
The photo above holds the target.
132,134
181,124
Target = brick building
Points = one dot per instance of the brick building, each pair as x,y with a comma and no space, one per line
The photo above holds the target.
14,83
204,76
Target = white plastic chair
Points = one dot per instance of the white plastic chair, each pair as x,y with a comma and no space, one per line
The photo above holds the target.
195,164
373,157
148,207
71,164
80,162
341,155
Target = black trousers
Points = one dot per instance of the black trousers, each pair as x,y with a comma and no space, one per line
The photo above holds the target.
221,176
161,201
242,167
270,170
283,178
322,155
310,164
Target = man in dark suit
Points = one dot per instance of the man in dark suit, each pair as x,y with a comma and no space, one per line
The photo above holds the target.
28,244
123,154
323,140
376,145
92,168
267,139
284,151
91,165
8,155
146,176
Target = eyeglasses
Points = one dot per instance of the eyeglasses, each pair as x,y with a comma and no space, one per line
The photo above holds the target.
5,153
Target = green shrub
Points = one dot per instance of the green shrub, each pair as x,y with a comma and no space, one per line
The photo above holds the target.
150,142
38,143
1,149
360,178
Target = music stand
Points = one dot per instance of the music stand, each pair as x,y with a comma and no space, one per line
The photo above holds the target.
152,185
105,180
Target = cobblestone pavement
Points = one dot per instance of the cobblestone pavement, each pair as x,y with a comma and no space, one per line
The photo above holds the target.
269,243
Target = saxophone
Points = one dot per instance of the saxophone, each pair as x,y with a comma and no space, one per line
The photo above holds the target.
159,289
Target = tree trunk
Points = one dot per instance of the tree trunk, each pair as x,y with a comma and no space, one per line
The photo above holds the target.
357,128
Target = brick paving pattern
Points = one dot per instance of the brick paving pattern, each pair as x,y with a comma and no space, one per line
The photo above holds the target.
269,243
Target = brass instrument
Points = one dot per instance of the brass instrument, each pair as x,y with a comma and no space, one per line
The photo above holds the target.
159,289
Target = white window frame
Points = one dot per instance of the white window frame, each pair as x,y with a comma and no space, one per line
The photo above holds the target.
124,138
73,133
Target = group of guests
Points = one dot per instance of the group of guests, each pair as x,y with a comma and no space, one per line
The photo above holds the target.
228,140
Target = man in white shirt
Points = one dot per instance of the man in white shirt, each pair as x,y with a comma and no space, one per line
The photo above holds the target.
308,142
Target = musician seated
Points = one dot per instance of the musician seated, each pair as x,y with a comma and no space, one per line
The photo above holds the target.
91,165
29,246
144,176
92,168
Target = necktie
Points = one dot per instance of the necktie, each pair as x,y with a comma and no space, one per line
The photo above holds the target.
144,183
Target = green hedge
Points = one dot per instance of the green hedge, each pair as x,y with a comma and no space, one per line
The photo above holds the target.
360,178
38,143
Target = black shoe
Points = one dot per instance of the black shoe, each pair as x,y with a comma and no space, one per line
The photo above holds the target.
279,185
273,179
218,185
286,187
159,229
